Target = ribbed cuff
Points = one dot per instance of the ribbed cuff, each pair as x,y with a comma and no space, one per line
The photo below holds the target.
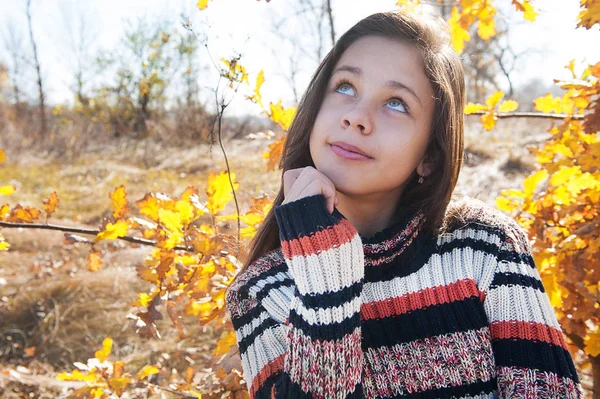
304,216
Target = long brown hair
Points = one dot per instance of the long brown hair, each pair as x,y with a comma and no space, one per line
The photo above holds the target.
443,67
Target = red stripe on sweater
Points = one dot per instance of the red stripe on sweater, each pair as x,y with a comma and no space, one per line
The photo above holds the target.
456,291
332,237
273,367
529,330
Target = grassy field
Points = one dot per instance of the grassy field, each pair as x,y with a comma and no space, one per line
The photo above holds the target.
51,301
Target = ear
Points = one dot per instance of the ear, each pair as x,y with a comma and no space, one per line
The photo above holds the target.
424,168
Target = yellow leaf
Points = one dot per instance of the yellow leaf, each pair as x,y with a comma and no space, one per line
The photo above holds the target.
144,299
494,99
551,286
564,175
51,204
3,244
508,106
260,79
219,191
119,202
489,120
202,4
7,190
486,29
2,156
472,108
113,231
459,34
590,15
505,204
94,261
531,182
282,116
226,340
583,182
20,214
409,5
546,104
76,375
530,13
571,67
171,220
513,193
592,343
119,384
275,152
118,368
562,196
149,206
147,370
186,211
103,353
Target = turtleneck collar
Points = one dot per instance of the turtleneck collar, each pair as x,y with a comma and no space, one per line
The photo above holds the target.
394,239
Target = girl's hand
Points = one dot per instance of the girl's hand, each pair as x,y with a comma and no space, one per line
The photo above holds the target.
304,182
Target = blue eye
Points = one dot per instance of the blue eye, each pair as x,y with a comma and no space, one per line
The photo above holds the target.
399,102
341,86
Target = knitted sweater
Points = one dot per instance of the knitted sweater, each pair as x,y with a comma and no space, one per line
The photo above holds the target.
333,314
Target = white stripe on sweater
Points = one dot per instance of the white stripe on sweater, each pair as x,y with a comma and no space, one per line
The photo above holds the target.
525,304
321,272
266,347
328,315
438,271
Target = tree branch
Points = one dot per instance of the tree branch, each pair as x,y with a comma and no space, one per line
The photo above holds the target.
94,232
504,115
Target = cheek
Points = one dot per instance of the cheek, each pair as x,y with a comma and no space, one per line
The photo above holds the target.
321,128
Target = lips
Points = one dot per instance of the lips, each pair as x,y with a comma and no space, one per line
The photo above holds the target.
350,147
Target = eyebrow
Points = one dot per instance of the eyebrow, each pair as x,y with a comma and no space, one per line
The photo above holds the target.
392,84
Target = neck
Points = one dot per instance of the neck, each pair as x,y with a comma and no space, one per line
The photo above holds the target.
370,215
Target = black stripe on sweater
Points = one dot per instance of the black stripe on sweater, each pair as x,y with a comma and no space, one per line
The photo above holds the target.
469,390
509,278
328,299
285,388
447,318
537,355
249,339
260,295
464,315
333,331
304,217
251,314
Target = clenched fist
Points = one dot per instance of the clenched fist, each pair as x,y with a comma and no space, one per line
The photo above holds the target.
304,182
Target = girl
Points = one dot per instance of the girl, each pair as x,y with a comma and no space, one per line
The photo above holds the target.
367,279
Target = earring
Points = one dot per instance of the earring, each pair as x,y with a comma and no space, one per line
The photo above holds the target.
420,179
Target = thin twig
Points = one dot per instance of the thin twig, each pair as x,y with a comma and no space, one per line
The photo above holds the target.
78,230
503,115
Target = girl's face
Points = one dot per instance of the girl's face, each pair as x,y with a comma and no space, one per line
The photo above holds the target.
379,100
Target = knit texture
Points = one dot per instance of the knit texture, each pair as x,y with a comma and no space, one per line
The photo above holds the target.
401,314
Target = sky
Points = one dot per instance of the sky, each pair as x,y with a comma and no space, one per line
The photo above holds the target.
244,26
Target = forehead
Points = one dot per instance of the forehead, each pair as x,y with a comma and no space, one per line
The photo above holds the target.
377,55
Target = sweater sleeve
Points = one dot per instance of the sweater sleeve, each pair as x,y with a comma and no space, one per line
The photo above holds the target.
298,324
530,350
324,254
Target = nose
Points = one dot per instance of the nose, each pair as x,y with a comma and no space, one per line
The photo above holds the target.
358,117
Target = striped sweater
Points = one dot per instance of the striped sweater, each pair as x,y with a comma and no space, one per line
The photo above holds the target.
401,314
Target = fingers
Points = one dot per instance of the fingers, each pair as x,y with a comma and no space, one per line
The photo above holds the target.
307,181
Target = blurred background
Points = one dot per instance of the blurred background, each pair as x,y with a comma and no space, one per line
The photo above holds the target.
95,94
